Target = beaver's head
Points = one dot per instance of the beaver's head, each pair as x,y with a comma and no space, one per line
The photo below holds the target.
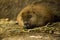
35,16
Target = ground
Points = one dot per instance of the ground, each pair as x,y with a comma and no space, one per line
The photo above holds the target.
10,30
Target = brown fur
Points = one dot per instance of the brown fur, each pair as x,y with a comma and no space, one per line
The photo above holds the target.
35,16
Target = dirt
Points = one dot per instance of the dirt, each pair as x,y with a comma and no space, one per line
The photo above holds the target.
33,36
10,30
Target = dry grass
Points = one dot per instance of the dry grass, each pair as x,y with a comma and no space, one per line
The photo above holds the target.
10,28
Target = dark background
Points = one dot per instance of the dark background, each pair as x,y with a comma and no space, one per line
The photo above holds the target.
11,8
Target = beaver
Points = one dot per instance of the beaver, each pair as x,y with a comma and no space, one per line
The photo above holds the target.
36,15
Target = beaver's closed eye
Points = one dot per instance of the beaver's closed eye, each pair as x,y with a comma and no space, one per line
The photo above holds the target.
29,16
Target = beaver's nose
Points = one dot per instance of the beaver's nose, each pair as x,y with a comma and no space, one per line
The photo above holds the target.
26,24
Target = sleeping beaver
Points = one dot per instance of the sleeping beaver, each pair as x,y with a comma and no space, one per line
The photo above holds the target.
36,15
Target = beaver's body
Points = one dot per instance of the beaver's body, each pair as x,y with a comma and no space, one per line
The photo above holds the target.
35,16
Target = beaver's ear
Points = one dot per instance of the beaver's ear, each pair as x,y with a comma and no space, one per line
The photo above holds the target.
23,14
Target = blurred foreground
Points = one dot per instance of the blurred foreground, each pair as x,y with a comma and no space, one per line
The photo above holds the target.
10,30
